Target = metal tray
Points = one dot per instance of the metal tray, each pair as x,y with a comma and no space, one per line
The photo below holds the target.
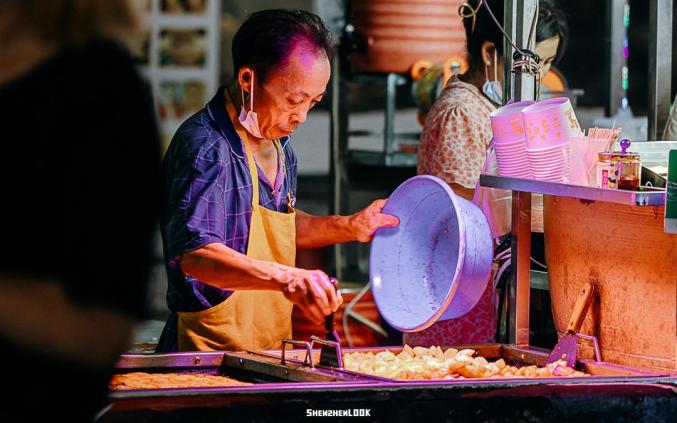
293,388
267,366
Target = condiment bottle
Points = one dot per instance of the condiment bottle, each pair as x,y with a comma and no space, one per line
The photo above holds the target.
619,169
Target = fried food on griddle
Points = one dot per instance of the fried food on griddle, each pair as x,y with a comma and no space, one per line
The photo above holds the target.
140,380
434,364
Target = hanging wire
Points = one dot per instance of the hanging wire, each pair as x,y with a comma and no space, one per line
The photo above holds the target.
348,312
500,27
531,42
533,260
466,11
524,61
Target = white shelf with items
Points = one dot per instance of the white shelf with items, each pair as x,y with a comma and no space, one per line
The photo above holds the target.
186,21
180,58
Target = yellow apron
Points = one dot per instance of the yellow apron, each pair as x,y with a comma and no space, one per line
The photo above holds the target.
249,320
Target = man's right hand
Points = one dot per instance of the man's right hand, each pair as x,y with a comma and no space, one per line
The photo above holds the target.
312,292
220,266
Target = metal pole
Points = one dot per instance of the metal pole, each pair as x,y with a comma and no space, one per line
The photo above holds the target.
338,131
509,26
388,121
520,284
660,65
518,15
615,60
518,19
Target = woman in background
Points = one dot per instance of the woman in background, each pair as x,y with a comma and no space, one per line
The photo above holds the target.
79,175
457,136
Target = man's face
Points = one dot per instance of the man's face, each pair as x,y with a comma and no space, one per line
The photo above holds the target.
290,91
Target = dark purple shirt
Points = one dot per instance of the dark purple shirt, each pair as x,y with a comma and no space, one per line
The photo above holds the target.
208,195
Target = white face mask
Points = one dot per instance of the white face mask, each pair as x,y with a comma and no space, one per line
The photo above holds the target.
248,119
493,89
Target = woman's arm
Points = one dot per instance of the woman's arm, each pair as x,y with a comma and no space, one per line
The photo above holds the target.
464,192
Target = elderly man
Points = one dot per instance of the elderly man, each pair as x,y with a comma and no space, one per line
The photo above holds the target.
230,231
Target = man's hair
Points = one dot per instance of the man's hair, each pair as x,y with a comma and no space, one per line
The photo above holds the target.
267,38
551,22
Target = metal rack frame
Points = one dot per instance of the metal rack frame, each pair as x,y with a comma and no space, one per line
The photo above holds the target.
342,156
519,85
518,306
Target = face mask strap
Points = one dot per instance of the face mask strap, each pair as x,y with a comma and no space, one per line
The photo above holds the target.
242,92
251,96
495,65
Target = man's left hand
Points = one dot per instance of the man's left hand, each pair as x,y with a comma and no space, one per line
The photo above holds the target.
365,222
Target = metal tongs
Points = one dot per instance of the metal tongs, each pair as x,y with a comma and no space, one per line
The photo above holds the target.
330,355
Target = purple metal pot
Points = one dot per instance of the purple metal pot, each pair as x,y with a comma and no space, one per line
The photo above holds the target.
435,265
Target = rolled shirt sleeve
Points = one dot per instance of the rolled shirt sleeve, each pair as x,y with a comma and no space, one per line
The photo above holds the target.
196,216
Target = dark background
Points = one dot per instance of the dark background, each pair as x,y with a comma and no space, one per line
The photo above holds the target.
585,58
584,63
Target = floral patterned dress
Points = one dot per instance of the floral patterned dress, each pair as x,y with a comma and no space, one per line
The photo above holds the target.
453,148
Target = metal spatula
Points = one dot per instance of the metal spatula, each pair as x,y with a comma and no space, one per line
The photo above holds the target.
567,347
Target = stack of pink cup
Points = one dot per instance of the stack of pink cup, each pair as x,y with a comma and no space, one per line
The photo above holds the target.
549,125
551,165
510,140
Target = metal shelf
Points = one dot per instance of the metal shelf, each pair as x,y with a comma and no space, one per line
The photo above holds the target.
411,136
646,197
389,155
379,158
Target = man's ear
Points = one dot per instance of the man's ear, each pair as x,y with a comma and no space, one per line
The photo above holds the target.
244,78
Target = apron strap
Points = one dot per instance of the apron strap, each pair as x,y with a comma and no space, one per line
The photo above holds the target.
283,162
253,170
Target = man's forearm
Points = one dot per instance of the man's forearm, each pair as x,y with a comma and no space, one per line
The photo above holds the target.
320,231
218,265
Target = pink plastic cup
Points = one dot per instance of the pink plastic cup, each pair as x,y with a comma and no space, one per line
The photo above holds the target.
507,124
512,158
550,123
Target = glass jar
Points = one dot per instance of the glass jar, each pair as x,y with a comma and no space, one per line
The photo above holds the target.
619,169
